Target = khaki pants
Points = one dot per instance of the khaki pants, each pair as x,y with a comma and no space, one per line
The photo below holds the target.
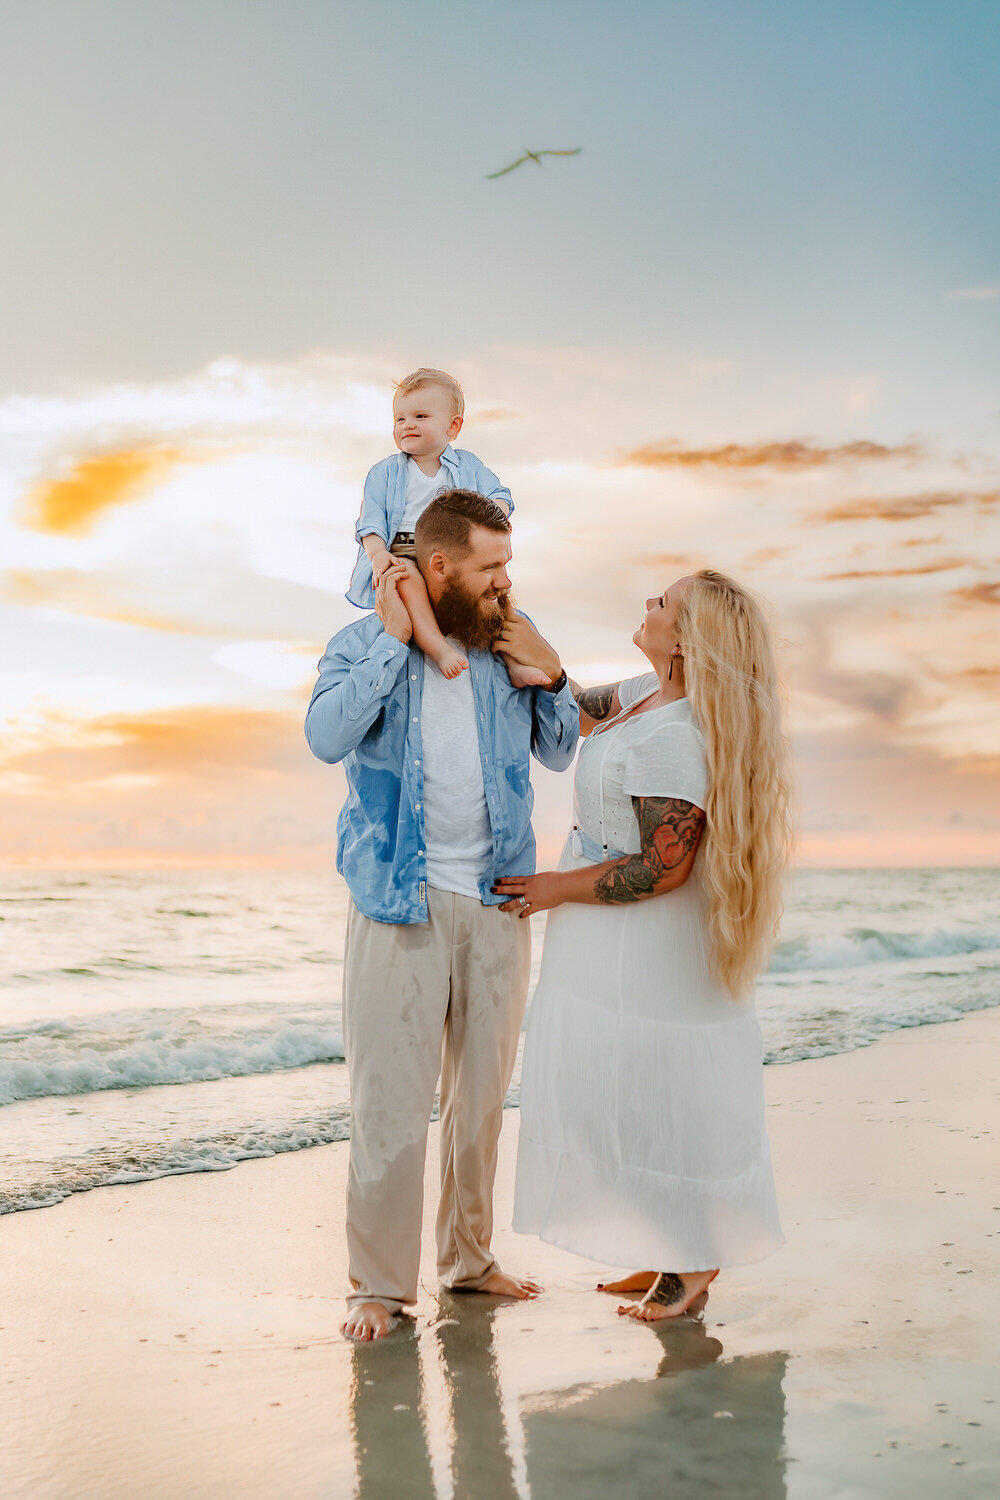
421,999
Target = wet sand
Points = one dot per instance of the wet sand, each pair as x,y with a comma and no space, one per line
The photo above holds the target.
179,1338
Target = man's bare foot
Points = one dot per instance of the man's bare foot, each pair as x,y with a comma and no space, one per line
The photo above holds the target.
367,1321
671,1295
502,1285
639,1281
521,676
451,662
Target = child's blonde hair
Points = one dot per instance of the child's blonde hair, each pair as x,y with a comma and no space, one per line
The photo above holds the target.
422,377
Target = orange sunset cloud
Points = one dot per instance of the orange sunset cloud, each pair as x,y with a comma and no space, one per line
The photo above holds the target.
946,566
202,741
979,593
72,589
793,455
70,505
194,785
906,507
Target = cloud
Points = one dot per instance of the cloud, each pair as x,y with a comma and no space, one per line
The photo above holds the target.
905,507
83,593
190,785
684,562
945,566
493,414
204,598
198,741
990,292
791,455
70,505
979,593
232,566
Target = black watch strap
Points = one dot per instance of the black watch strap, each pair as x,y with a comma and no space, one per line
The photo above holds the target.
559,683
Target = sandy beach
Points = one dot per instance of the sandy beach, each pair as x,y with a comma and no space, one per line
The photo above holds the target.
178,1338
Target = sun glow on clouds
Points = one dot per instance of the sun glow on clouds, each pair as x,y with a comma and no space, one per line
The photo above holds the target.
176,559
70,504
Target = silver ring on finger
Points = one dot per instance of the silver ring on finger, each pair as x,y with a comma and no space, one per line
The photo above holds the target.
522,901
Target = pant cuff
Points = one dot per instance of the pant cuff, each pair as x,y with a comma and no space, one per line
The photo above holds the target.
391,1304
471,1283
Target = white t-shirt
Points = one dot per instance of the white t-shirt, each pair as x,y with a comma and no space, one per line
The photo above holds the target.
456,818
420,491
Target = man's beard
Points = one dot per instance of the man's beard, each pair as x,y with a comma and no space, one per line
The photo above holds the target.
474,622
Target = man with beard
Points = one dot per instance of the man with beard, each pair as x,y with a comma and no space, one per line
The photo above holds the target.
435,976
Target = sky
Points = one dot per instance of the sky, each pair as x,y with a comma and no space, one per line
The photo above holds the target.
753,325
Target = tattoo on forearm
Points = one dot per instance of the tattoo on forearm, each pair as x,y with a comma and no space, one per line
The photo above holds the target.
667,1289
669,830
594,701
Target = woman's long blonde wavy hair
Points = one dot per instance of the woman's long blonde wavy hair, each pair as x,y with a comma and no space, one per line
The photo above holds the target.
731,680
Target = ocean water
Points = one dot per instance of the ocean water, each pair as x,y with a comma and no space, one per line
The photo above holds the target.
181,1021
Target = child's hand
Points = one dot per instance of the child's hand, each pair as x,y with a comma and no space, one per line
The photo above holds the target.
380,562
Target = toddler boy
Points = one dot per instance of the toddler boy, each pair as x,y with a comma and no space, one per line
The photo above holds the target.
427,411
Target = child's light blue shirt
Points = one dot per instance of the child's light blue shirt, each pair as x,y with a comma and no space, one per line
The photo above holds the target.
385,500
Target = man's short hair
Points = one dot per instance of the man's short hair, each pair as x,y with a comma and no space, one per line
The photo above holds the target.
446,525
448,384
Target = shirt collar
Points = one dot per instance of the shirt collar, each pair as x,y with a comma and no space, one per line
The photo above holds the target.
449,459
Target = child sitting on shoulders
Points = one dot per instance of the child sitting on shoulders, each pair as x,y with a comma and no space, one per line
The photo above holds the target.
428,411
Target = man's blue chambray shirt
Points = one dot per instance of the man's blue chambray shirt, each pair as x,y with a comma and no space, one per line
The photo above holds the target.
385,500
365,711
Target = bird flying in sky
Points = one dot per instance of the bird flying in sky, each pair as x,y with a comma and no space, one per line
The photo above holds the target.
535,156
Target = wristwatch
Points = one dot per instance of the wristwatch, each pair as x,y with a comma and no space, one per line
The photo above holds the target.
559,683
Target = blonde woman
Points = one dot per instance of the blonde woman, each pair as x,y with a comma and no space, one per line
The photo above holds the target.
642,1107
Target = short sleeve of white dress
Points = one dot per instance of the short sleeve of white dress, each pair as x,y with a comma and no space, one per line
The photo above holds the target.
668,761
635,688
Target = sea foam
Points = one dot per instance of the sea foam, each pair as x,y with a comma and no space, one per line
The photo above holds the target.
133,1049
872,945
112,1165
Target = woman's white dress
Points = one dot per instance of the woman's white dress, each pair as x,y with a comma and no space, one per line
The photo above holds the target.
642,1139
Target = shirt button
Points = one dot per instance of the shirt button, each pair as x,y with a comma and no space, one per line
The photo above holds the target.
420,852
417,806
416,762
414,721
413,676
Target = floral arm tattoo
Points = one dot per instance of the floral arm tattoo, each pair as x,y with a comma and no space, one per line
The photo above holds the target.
594,701
670,831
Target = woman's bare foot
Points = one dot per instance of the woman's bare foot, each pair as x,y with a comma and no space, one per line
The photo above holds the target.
671,1295
367,1321
502,1285
450,662
639,1281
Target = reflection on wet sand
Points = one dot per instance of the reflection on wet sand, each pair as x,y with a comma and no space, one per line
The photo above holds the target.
480,1447
699,1427
387,1419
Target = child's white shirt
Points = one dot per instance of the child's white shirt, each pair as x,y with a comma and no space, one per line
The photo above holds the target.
420,491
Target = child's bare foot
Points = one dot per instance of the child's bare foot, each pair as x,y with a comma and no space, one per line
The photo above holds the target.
450,662
670,1296
502,1285
367,1321
521,676
639,1281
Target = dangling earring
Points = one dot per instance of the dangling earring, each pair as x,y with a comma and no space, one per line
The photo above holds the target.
670,671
